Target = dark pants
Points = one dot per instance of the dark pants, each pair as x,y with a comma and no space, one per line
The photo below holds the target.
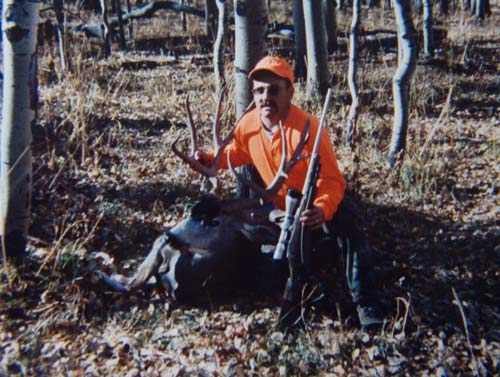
353,253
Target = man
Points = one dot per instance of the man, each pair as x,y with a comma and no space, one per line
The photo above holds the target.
257,141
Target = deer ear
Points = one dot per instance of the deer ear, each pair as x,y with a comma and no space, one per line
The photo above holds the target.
260,233
207,207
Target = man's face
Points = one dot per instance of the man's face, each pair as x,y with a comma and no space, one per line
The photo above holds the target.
273,96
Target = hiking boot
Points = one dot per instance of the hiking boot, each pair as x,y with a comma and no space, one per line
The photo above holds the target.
370,317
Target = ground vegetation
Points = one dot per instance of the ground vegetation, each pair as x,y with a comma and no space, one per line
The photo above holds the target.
106,184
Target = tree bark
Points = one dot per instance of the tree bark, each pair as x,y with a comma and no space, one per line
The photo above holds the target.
183,17
473,6
220,80
407,62
121,28
317,57
20,21
330,12
300,69
427,25
250,28
351,76
482,8
444,7
211,18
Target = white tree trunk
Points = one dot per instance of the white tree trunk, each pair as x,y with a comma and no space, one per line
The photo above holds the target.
20,20
353,68
105,25
220,79
407,62
250,27
427,25
131,28
317,58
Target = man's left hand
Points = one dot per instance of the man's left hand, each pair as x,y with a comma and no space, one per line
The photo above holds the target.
312,218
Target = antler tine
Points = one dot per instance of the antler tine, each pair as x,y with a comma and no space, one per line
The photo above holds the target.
221,144
260,191
282,173
190,160
216,126
191,127
285,166
296,156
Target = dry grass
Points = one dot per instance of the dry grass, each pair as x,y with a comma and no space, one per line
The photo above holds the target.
106,184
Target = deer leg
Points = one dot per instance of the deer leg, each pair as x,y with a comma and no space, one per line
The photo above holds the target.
151,264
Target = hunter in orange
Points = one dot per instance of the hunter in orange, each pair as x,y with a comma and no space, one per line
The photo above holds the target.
257,145
257,141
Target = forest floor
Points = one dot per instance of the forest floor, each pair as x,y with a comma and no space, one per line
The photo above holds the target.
106,185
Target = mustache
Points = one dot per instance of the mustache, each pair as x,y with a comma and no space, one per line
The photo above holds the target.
268,103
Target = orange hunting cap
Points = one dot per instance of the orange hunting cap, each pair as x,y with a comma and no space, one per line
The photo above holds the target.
276,65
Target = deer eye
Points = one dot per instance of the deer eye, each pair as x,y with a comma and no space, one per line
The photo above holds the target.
210,223
213,223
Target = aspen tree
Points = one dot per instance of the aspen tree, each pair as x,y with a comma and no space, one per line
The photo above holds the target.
219,46
330,15
250,27
121,28
300,68
427,26
407,63
61,35
19,28
105,26
351,75
210,18
317,57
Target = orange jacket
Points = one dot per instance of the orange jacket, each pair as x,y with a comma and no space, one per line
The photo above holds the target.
251,145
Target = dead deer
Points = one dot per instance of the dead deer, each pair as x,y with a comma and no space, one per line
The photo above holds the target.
218,246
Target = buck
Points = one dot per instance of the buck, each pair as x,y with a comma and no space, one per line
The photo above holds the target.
218,247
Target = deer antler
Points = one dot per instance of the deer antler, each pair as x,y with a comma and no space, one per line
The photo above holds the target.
271,190
219,144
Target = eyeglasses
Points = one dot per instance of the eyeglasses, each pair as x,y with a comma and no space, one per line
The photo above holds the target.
272,90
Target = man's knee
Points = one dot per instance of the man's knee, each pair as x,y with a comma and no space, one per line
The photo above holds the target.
348,220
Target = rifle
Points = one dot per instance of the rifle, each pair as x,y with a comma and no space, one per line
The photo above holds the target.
293,234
